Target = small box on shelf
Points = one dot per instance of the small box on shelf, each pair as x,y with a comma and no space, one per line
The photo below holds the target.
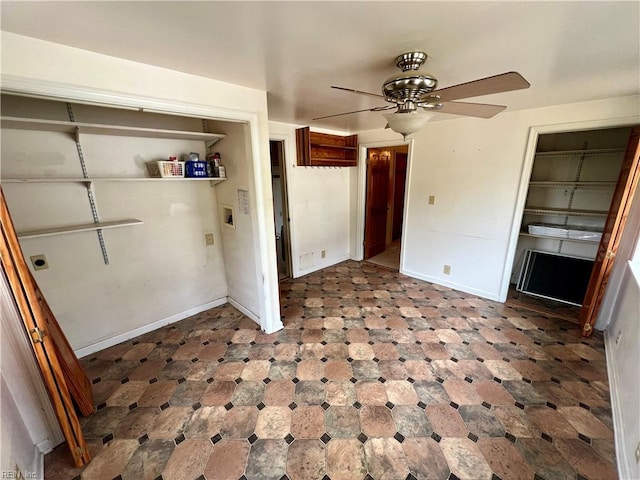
196,169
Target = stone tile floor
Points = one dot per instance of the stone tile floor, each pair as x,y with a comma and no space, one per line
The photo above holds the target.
375,376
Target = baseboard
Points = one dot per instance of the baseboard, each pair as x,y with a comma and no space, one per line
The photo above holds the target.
618,425
238,306
38,462
328,262
455,286
45,446
123,337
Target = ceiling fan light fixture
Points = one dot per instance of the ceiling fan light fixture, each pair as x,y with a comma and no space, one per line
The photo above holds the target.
407,123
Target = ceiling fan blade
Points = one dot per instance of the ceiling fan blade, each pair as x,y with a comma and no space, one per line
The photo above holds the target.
504,82
376,95
480,110
375,109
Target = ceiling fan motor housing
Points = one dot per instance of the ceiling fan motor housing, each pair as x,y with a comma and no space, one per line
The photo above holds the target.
409,85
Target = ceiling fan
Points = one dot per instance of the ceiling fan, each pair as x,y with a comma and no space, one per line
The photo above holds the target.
415,97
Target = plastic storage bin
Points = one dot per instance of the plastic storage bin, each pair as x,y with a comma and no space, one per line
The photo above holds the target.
165,168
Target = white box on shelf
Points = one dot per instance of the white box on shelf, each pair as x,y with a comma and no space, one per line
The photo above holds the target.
564,231
581,233
548,229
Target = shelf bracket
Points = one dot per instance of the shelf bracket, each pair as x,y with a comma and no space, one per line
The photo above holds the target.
89,185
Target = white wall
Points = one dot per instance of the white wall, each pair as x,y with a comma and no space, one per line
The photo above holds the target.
35,66
474,168
622,364
38,60
158,271
237,243
320,208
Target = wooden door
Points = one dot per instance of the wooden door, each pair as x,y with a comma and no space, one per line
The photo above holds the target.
614,225
281,205
74,376
375,226
25,294
400,175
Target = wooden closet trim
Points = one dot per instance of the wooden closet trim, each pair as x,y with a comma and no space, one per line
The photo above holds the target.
24,293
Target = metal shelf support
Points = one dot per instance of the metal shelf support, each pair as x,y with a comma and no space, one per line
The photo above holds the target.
90,190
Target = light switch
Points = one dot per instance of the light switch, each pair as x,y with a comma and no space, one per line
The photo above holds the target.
432,199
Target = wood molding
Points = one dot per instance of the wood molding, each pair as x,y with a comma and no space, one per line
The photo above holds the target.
24,293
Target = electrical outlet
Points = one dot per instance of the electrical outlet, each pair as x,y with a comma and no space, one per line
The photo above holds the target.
618,337
447,270
323,254
432,199
638,453
39,262
208,238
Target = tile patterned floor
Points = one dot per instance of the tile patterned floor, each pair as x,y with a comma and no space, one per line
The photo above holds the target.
390,257
375,376
543,306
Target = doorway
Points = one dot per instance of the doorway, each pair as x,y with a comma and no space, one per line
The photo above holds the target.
386,175
280,208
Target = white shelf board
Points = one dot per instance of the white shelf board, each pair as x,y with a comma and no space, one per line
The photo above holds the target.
110,179
552,184
562,153
549,237
98,129
564,212
80,228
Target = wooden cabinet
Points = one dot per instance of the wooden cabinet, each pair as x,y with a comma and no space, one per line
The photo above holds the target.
325,150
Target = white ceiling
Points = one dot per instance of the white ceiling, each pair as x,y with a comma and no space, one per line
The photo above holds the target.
568,51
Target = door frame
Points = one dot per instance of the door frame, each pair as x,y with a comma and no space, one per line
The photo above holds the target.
288,138
285,204
525,176
358,246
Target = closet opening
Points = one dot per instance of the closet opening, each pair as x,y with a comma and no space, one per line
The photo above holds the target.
574,191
